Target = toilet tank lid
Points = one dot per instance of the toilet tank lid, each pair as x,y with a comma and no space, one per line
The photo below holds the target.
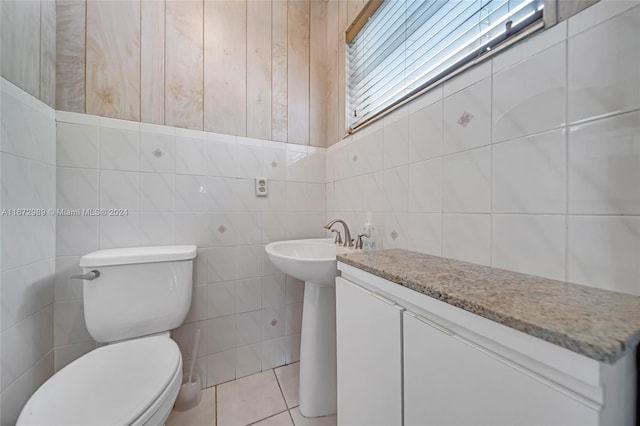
132,255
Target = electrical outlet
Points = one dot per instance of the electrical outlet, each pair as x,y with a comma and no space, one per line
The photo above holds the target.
262,187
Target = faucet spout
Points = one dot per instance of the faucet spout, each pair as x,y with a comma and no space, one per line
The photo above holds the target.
348,242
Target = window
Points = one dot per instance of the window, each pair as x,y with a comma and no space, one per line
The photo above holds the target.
409,44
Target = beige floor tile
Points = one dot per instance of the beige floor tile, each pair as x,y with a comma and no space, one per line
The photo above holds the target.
249,399
289,379
204,414
300,420
282,419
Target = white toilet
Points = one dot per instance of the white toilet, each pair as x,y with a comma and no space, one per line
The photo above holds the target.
139,294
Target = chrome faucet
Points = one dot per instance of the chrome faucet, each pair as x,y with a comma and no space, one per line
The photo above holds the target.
348,242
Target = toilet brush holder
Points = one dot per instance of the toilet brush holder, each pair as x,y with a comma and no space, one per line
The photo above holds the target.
190,393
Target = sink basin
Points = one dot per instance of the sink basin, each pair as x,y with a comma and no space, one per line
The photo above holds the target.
311,260
314,261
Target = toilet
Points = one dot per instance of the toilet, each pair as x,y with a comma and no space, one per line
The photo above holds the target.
132,298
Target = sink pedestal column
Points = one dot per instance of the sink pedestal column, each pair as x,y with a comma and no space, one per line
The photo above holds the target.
318,351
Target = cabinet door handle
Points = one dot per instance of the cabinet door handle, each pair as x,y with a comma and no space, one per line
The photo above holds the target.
384,299
434,325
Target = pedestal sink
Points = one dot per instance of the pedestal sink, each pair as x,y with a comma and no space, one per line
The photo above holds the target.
314,262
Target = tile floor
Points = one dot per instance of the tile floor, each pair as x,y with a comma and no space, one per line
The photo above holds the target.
269,398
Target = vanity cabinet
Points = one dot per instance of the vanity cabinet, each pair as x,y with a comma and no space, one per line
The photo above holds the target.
369,348
449,380
404,358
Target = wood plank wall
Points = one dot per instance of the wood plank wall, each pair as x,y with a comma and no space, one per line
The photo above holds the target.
255,68
28,45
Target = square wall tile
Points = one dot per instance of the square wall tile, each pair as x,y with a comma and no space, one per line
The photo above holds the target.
425,233
467,118
603,252
396,189
425,186
604,166
371,151
119,231
248,360
119,190
529,175
221,367
191,154
248,295
396,143
76,188
274,161
395,232
221,155
191,194
76,235
529,97
157,228
425,133
221,334
157,152
77,145
119,149
248,328
157,192
467,237
531,244
221,299
248,158
273,353
467,181
221,264
604,68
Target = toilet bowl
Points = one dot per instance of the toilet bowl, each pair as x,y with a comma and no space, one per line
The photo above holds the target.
132,298
129,383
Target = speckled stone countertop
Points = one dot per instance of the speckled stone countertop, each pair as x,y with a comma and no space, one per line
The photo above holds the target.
599,324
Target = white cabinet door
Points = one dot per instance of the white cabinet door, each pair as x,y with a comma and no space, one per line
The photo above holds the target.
369,347
449,380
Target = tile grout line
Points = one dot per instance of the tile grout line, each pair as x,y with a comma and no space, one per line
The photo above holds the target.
286,404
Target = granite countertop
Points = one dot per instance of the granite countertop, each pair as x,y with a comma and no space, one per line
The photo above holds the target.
599,324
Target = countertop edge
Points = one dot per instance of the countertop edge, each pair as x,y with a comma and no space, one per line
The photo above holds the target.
589,350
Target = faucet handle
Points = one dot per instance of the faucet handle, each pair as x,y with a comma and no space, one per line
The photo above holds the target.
359,241
338,238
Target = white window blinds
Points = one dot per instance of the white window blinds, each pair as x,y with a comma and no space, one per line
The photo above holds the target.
409,44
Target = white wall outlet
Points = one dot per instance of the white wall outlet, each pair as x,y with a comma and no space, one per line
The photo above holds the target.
262,187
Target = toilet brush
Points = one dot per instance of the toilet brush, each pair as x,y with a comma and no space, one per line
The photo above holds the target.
190,391
193,355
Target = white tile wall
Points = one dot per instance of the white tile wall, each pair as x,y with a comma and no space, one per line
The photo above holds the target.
180,187
27,263
528,162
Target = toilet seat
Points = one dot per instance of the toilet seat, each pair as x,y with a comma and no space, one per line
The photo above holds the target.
121,384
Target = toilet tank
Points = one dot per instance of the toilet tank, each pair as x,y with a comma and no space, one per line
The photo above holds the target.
140,290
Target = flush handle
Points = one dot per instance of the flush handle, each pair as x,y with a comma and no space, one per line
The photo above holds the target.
91,275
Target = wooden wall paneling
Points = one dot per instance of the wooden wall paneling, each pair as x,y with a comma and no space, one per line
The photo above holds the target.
298,71
259,69
343,24
113,59
333,40
48,52
20,44
318,74
70,55
225,65
184,82
353,9
279,77
152,61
